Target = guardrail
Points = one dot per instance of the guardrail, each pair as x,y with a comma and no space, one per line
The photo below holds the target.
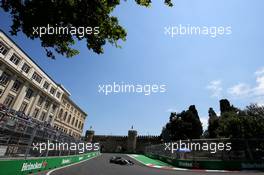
35,165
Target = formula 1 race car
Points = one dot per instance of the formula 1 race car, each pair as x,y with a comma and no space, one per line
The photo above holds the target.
120,161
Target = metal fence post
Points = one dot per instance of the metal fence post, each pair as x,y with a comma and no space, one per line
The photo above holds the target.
30,142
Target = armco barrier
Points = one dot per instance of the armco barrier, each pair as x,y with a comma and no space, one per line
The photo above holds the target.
34,165
211,164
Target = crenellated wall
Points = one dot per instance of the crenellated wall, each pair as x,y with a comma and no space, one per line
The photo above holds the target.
128,144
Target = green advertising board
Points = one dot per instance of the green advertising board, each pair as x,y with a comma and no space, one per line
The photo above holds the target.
34,165
211,164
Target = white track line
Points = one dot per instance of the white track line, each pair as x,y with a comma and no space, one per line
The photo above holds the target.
131,156
51,171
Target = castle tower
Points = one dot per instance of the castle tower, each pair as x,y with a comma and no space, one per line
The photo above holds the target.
132,141
89,135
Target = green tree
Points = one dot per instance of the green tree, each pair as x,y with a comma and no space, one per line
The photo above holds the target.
230,125
192,118
27,14
226,107
254,122
213,123
248,123
184,125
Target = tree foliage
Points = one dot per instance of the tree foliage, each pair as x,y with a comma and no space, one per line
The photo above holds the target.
236,123
27,14
213,123
184,125
232,123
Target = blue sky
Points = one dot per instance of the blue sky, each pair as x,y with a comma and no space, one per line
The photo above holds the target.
197,70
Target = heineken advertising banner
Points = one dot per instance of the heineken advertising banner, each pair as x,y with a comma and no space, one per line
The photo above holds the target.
23,167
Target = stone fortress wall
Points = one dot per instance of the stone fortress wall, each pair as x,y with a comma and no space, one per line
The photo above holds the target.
132,143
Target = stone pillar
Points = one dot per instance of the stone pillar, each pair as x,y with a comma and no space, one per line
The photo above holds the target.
20,97
132,141
2,69
89,135
49,114
54,114
8,88
42,108
34,104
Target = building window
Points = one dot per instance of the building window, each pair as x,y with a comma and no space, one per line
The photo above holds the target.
65,116
79,126
3,48
43,116
76,123
15,59
50,118
73,120
16,86
4,78
47,105
29,93
9,101
60,113
40,101
46,85
23,107
58,95
69,119
54,107
35,113
25,68
52,90
37,77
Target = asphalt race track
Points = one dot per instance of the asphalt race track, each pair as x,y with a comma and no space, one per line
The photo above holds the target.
101,166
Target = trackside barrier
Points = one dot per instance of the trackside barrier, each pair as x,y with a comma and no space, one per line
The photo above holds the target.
211,164
34,165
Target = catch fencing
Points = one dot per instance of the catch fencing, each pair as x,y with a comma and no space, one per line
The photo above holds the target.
211,149
18,134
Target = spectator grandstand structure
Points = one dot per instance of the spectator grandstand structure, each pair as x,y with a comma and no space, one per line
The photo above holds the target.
29,93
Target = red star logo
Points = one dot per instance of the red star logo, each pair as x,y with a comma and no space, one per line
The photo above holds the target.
44,164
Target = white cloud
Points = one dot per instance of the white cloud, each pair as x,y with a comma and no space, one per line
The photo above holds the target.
240,90
215,87
256,92
260,71
259,89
